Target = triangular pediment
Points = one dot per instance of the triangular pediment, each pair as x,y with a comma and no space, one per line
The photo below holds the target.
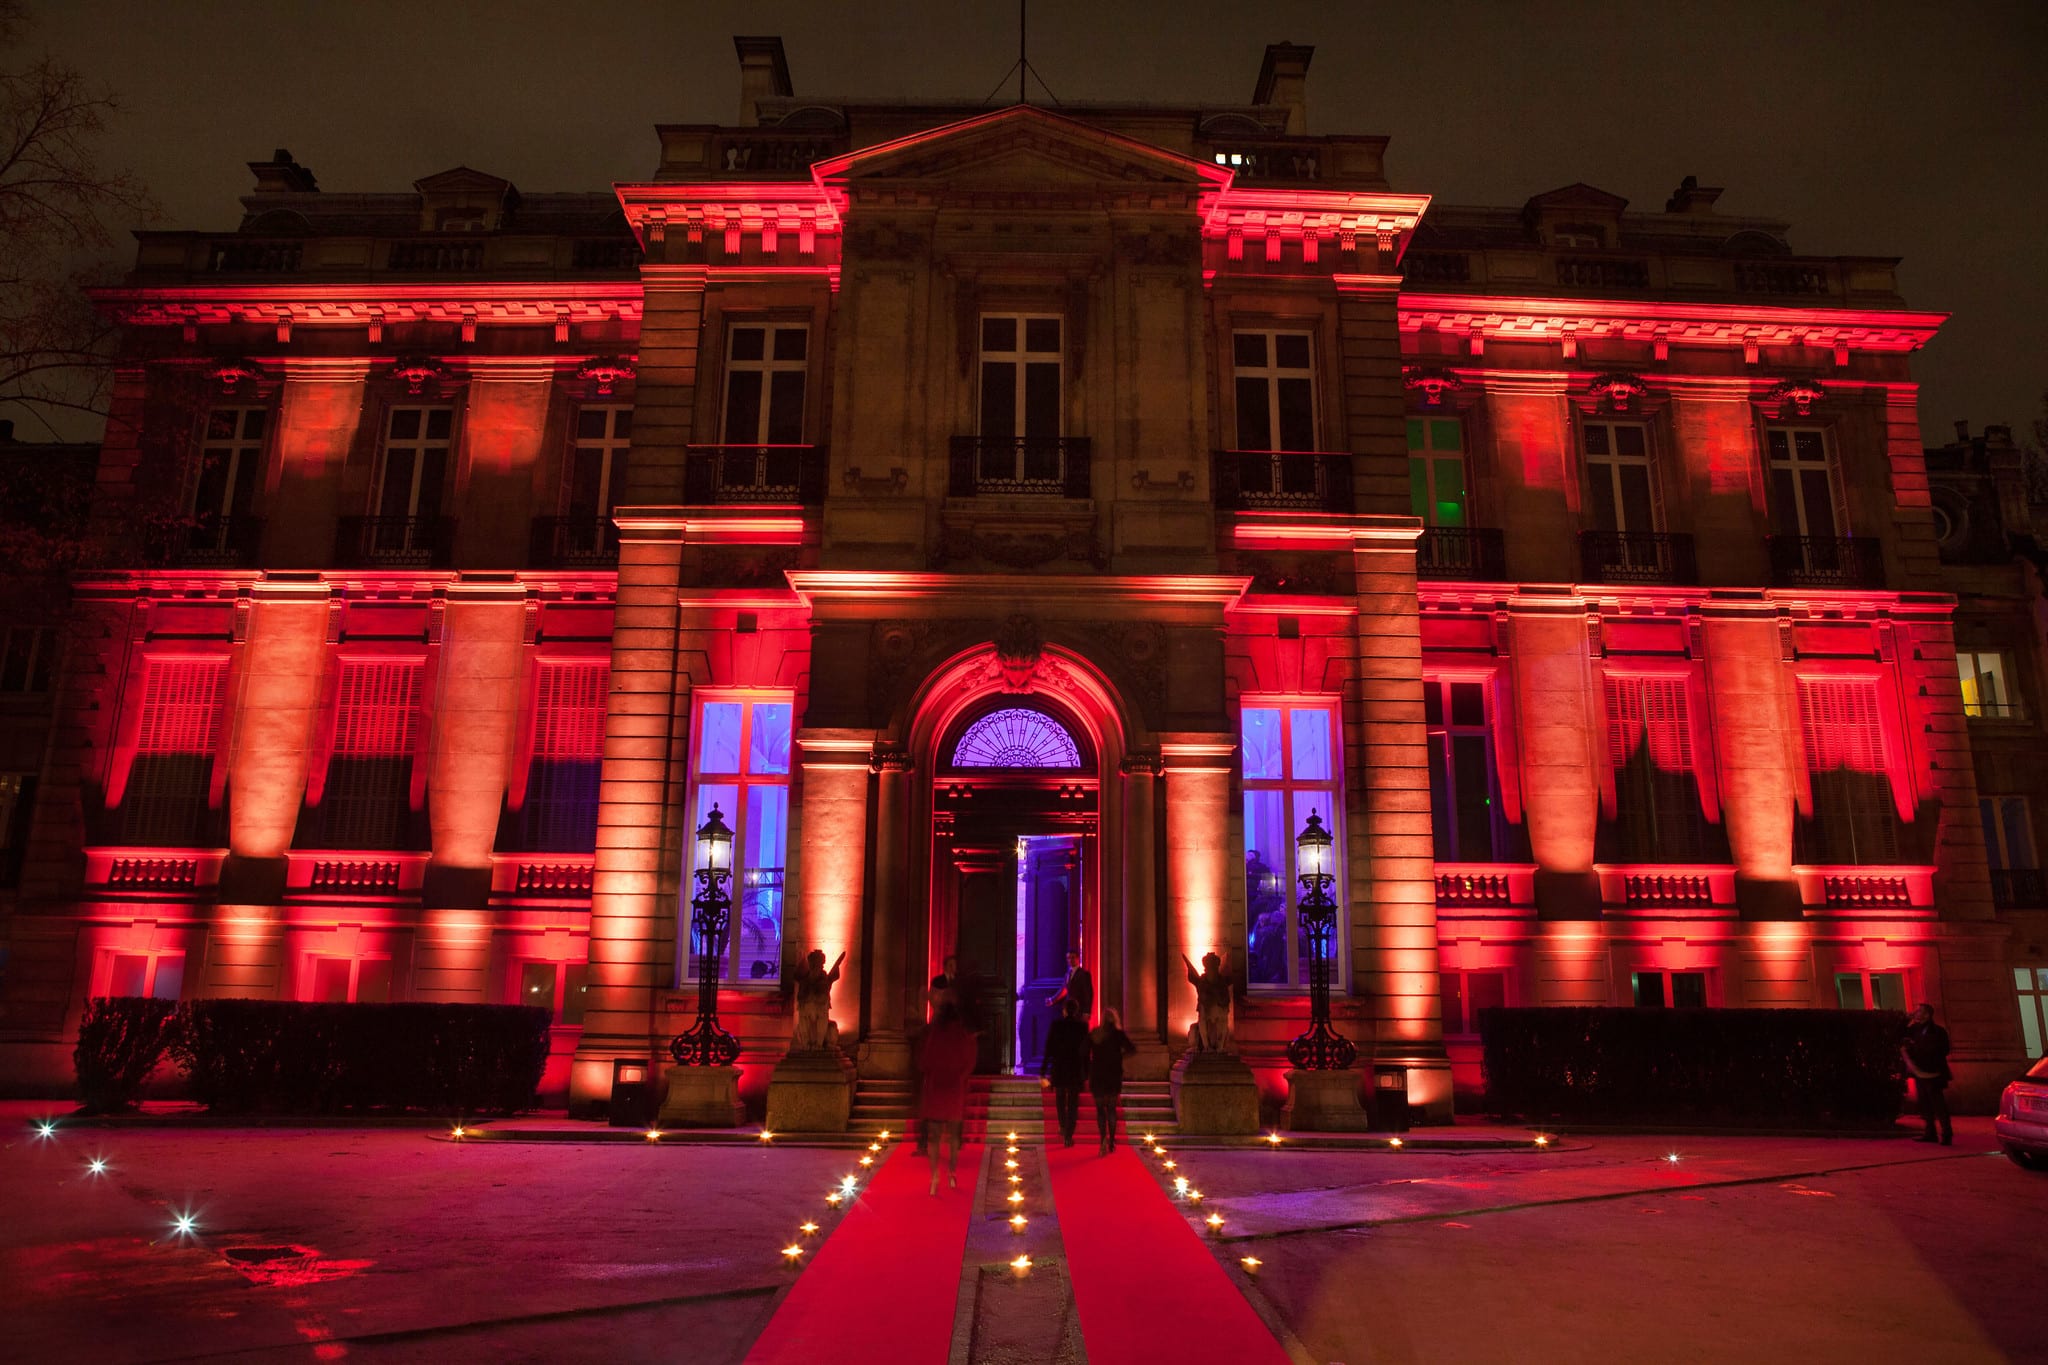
1019,147
1578,195
462,180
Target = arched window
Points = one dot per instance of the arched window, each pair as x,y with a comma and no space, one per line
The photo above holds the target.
1016,737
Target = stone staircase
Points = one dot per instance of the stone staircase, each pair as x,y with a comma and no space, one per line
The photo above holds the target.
997,1105
1148,1108
881,1105
1003,1104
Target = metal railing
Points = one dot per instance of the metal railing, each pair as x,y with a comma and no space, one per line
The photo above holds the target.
1826,562
1308,480
2018,888
1782,279
255,258
1019,466
219,542
1598,272
1436,267
575,542
393,542
436,255
754,474
1636,557
1478,553
1276,160
765,151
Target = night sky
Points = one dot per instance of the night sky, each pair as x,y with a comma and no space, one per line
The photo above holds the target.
1877,127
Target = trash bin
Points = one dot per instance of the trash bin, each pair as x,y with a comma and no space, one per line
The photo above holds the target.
1390,1099
632,1103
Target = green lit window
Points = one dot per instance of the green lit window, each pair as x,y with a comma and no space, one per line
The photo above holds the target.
1436,470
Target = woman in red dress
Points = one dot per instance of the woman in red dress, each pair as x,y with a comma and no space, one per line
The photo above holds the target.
949,1053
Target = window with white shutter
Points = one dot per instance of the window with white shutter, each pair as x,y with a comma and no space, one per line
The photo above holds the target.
1855,818
1658,815
366,802
558,812
165,801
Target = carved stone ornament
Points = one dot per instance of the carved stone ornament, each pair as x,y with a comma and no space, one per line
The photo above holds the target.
232,374
1432,380
418,371
1800,394
1618,391
605,372
1018,650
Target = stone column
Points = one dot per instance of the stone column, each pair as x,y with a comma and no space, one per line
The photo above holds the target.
274,716
1555,708
317,418
1755,729
1141,961
832,866
885,1043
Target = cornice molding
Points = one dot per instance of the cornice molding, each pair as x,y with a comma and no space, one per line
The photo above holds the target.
528,303
1695,324
891,589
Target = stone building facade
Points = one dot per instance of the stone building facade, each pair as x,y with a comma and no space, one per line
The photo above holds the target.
1016,524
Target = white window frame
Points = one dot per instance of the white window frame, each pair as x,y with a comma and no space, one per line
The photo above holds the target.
1019,360
420,446
1332,811
1792,463
1610,465
768,367
1863,976
103,971
234,449
1989,674
1271,374
2031,985
609,447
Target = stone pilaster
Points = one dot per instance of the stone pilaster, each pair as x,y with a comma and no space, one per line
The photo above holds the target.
1556,710
832,867
1755,725
317,419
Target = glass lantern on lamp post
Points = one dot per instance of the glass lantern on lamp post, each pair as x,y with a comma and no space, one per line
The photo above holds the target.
1322,1048
704,1043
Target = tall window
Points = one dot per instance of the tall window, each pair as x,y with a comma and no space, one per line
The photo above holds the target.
366,802
1988,692
17,802
560,986
1668,990
165,802
1657,814
765,365
2032,984
1464,786
559,811
1021,364
2008,832
346,980
1870,990
230,461
1465,994
1275,383
597,462
1621,487
28,658
158,974
1436,470
1290,772
1806,496
1855,818
742,768
414,478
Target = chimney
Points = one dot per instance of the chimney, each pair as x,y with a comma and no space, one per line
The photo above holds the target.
1963,429
282,175
1997,436
1283,83
1692,197
764,75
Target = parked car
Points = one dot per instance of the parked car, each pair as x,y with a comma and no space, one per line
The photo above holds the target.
2022,1124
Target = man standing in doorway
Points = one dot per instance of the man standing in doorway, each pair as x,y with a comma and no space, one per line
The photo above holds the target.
1079,988
1926,1058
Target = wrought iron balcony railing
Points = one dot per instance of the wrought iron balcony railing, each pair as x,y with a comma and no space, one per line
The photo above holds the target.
1305,480
1826,562
212,542
1019,466
1436,267
1473,552
585,542
1281,159
394,542
754,474
1602,272
2019,888
1636,557
436,255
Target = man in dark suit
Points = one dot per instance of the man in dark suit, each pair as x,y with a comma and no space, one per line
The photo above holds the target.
1080,988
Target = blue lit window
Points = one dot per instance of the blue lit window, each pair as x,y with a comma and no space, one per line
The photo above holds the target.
1016,737
1290,772
753,798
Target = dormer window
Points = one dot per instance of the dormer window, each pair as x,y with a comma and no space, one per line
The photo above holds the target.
460,220
1579,236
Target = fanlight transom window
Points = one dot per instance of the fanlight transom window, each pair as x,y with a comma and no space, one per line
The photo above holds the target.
1016,737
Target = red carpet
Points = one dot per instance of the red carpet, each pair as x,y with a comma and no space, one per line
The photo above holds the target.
884,1285
1146,1287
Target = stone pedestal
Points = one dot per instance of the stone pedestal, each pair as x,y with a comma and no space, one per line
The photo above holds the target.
702,1097
1324,1102
885,1055
1214,1095
810,1092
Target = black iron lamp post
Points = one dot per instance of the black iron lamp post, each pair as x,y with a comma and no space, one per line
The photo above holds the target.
1322,1048
704,1043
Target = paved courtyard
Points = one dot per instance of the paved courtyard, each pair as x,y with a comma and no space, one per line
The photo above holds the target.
391,1244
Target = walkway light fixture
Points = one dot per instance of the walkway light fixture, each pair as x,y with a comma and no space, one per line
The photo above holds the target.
705,1043
1322,1048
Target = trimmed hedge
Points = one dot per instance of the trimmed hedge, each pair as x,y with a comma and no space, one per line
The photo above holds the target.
285,1057
1752,1068
120,1041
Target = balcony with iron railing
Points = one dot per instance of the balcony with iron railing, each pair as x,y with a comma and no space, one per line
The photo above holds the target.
758,475
1477,553
574,542
1826,562
1637,557
1602,272
1019,466
1283,480
2019,888
211,542
394,542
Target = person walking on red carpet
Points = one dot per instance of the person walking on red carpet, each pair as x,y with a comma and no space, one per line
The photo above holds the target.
1108,1045
949,1053
1065,1067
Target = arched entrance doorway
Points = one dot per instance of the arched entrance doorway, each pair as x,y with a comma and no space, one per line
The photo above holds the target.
1016,880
